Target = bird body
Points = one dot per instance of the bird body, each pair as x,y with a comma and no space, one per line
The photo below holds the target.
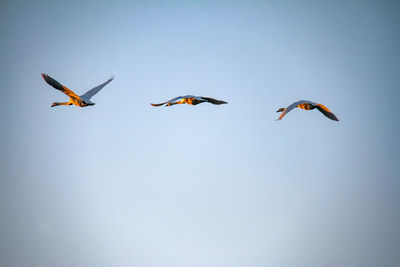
191,100
74,99
307,105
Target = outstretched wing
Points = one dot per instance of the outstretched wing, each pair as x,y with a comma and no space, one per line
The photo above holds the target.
171,100
324,110
290,107
95,90
59,86
214,101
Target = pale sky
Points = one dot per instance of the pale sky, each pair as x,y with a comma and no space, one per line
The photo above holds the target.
123,183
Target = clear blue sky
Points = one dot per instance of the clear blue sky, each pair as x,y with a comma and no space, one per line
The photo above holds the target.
125,184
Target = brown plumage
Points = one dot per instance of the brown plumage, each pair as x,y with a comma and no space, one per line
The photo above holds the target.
307,105
191,100
74,99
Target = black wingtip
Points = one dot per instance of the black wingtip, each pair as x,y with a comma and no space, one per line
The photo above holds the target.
332,117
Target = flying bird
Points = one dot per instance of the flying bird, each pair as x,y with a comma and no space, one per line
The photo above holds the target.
74,99
307,105
191,100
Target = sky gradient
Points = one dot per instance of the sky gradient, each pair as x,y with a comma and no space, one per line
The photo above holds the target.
123,183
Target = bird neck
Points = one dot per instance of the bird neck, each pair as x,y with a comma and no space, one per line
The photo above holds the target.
60,103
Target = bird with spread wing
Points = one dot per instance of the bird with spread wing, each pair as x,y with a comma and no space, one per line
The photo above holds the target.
74,99
307,105
191,100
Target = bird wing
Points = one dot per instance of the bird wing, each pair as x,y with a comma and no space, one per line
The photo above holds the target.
324,110
59,86
95,90
171,100
214,101
292,106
